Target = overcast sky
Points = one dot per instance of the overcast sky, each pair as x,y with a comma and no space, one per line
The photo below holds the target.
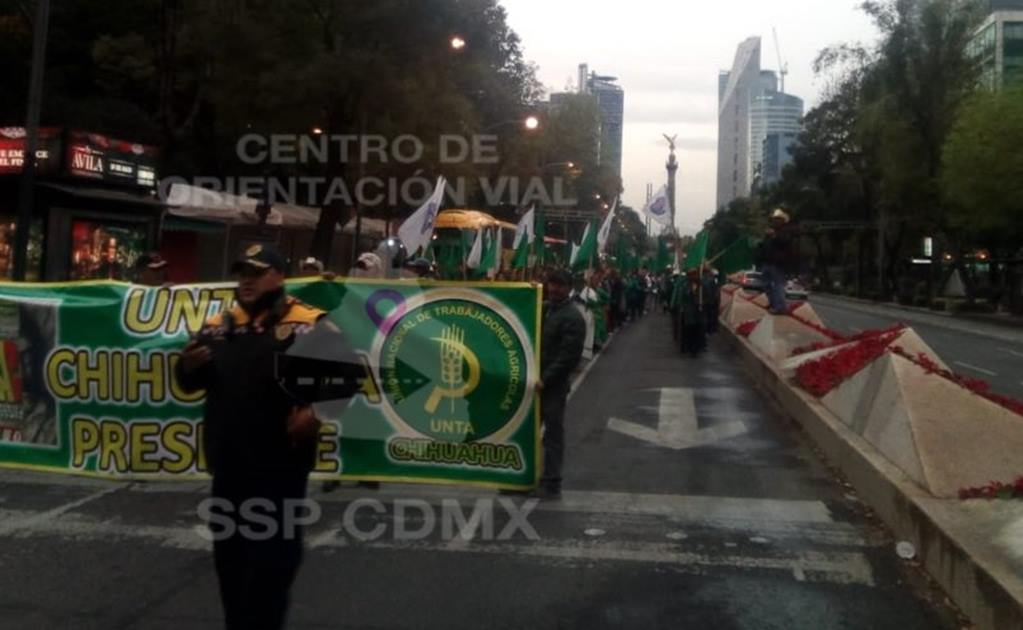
667,55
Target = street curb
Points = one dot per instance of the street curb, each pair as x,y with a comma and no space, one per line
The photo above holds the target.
983,586
1013,324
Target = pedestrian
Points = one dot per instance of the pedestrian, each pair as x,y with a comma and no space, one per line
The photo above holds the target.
368,266
692,318
151,270
777,257
420,268
635,296
711,300
310,266
561,349
259,443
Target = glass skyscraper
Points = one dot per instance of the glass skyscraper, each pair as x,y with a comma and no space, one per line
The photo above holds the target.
750,107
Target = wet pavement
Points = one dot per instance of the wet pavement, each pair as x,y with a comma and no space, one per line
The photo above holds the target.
688,503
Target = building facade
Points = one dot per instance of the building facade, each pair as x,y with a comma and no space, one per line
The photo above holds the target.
750,107
771,113
735,89
998,44
610,99
777,154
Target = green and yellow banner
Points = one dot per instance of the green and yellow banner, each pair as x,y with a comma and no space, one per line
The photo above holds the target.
448,371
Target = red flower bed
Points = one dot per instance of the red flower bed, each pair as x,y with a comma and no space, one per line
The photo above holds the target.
745,329
827,332
825,374
994,490
837,339
977,386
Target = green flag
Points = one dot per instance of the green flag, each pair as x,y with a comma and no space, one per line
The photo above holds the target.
736,257
583,257
490,260
525,232
697,253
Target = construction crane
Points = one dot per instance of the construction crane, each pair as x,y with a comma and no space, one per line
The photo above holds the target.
783,68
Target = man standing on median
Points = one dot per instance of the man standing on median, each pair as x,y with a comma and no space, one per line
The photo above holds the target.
778,259
258,441
561,349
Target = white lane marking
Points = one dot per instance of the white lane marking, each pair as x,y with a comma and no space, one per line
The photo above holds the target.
40,518
833,567
577,383
1012,352
976,369
677,426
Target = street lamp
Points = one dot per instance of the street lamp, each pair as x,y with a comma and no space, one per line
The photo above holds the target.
458,43
532,123
317,131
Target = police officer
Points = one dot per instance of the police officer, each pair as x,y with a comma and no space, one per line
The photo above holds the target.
561,349
258,441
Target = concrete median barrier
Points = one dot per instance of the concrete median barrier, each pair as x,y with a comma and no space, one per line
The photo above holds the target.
908,439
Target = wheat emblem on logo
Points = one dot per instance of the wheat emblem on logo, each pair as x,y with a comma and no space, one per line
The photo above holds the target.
454,357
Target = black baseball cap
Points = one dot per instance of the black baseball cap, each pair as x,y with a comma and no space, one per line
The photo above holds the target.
152,260
260,257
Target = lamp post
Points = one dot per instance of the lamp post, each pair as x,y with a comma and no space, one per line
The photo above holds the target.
530,123
26,191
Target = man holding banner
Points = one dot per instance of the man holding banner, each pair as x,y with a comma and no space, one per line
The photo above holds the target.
564,335
259,442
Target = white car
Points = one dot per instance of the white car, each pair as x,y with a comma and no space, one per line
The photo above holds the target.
794,290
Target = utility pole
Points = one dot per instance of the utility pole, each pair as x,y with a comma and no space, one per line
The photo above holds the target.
27,189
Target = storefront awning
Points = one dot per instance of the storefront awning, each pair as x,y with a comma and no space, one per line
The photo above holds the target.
107,195
202,203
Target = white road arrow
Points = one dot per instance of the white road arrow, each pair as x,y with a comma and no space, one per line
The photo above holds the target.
677,426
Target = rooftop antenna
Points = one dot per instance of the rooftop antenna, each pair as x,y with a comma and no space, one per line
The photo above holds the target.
783,68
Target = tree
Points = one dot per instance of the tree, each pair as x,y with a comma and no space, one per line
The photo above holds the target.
983,167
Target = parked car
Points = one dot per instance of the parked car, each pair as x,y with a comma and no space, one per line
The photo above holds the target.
752,281
794,290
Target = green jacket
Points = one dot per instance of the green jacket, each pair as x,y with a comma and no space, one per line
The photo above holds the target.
561,345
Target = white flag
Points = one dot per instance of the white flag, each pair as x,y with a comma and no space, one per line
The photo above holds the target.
525,229
659,207
417,231
577,248
476,253
605,229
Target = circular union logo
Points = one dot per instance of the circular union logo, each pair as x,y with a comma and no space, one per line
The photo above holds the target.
457,366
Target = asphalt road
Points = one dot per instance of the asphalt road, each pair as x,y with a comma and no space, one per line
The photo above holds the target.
978,350
688,504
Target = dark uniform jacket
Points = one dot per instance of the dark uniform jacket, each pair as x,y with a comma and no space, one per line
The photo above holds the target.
561,346
245,419
779,249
